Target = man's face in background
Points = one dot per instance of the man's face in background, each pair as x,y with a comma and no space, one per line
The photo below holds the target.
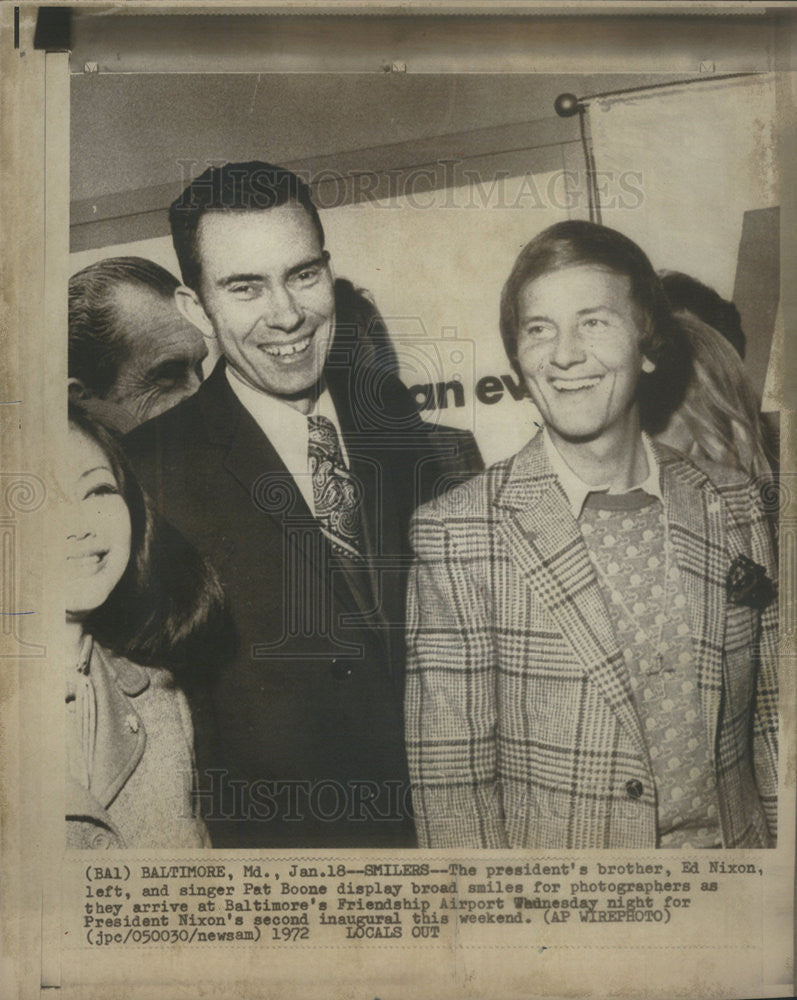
160,362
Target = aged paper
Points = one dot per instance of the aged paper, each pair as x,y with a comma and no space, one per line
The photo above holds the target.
434,153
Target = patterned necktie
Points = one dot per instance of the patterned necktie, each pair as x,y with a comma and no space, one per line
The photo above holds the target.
335,493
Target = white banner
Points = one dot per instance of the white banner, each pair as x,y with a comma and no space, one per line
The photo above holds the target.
705,154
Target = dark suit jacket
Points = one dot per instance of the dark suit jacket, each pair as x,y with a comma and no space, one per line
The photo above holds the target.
299,736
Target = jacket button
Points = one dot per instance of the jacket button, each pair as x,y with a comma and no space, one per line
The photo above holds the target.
341,669
634,788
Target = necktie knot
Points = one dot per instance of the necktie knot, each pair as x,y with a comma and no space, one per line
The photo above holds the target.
323,439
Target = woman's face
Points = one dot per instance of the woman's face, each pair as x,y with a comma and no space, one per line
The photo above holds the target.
98,526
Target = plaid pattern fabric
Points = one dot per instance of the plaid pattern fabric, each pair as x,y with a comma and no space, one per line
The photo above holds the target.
521,731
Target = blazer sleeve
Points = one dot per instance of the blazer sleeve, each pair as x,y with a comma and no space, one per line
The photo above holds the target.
765,718
450,706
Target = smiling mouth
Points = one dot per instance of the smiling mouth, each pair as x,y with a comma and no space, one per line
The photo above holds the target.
574,384
89,558
287,350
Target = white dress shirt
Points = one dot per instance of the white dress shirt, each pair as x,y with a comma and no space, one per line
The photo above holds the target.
577,491
287,428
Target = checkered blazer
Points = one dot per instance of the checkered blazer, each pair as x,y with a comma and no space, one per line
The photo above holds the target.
521,730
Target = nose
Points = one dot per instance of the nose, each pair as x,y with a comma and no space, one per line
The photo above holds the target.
80,522
568,350
282,312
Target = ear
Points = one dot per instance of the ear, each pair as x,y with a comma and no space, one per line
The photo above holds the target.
187,301
76,390
648,366
101,411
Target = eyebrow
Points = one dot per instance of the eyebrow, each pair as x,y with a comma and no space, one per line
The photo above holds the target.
97,468
315,262
234,278
592,309
581,312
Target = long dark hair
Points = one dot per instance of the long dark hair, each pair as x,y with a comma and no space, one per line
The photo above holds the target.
168,609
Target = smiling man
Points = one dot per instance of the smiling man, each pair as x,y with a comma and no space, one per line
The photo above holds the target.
294,469
592,624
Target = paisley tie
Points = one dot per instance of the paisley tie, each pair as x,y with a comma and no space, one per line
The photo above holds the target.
335,492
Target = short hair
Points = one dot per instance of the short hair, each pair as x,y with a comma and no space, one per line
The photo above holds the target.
168,608
235,187
97,342
686,292
577,242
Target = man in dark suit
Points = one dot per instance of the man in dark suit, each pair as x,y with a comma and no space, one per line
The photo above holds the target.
294,469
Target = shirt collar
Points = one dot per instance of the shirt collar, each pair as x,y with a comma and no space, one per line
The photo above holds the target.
577,491
269,411
286,427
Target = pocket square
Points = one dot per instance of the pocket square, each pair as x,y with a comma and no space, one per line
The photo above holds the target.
747,584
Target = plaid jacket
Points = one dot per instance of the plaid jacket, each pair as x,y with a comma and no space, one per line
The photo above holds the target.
521,730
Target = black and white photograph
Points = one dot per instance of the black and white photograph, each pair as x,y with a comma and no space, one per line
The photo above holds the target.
422,401
590,654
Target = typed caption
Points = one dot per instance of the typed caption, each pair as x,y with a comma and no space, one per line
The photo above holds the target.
287,902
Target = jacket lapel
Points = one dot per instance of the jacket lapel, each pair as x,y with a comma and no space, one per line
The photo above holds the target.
696,516
250,457
545,542
82,805
254,462
371,472
119,739
546,545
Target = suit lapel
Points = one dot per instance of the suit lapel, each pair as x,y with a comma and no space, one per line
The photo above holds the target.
254,462
546,545
696,517
250,457
366,467
370,471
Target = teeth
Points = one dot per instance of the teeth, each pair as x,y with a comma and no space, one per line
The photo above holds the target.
572,384
285,350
